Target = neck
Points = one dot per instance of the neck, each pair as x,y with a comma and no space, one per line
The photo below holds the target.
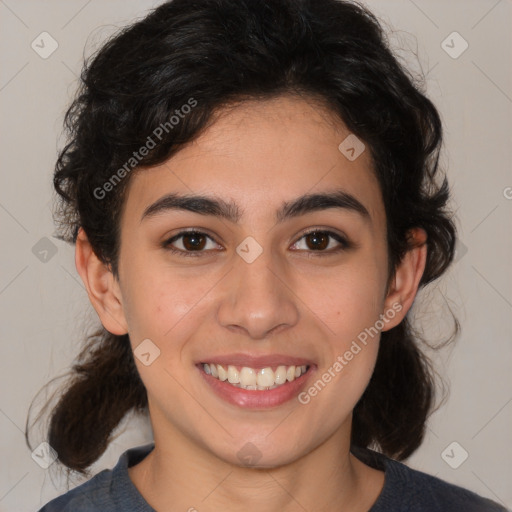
180,475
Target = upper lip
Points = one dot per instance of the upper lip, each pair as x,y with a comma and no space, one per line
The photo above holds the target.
257,361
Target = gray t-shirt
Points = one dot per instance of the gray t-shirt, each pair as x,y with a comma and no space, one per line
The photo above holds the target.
405,490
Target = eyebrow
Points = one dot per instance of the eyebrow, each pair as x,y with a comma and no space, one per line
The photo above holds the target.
229,210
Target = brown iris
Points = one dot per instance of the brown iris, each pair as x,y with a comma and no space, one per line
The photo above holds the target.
193,241
319,240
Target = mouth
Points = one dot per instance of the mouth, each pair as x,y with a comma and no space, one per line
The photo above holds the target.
254,379
256,383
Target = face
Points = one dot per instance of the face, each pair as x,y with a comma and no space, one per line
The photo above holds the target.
272,282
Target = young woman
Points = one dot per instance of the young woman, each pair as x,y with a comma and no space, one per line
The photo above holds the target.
253,190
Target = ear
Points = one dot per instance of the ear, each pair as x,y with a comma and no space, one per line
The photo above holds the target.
101,285
404,285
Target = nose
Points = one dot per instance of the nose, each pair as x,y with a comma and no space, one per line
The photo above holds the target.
258,297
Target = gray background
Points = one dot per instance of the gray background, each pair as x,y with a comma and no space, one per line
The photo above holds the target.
43,304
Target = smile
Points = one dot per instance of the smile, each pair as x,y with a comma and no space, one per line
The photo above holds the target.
262,379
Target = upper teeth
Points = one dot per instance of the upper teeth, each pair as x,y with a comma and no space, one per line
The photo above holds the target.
250,378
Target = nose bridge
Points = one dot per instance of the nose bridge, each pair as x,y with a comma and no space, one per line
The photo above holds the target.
258,299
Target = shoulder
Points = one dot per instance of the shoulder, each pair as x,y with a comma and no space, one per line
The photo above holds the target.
111,490
407,489
90,496
432,493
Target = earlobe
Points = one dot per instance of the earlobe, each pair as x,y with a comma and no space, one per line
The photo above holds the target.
101,285
404,285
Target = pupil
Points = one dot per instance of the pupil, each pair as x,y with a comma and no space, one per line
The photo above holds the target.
317,239
194,241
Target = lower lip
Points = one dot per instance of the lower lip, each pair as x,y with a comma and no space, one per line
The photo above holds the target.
253,399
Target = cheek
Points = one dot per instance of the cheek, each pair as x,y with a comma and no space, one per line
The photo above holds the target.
350,310
151,296
346,301
165,305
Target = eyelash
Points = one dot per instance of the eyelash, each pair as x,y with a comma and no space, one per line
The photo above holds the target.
344,243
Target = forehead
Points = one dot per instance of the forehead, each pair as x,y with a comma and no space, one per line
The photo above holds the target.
261,153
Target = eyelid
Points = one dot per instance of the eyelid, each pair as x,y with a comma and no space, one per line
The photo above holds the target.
343,241
201,231
320,229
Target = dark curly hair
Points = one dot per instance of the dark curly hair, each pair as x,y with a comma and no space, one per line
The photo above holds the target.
217,53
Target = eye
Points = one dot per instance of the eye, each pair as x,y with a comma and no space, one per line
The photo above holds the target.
195,243
322,242
189,242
